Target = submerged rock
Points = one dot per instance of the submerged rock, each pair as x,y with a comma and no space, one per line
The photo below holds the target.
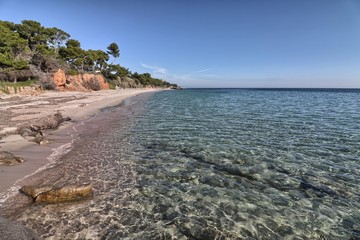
11,230
8,159
52,194
319,190
197,229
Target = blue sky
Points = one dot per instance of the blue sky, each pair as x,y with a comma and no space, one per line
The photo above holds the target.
230,43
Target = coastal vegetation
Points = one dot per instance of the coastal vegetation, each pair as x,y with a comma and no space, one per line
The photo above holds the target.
30,51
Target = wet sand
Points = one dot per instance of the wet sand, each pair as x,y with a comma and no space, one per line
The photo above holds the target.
15,110
100,156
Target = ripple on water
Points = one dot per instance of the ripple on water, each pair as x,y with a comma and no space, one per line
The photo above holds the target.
252,164
218,164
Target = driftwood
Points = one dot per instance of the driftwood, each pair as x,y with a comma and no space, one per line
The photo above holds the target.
51,194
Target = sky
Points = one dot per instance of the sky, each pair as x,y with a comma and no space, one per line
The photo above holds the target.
229,43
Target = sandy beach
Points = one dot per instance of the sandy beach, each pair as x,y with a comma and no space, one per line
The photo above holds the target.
16,110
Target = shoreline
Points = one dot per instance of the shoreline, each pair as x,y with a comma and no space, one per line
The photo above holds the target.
82,108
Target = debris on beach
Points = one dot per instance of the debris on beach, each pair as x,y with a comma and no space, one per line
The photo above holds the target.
53,194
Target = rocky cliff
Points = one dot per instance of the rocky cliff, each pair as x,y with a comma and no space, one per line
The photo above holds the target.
79,82
83,82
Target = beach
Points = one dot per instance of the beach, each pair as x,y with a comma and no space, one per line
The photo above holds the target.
202,164
19,109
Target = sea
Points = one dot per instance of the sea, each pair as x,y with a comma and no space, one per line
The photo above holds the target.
212,164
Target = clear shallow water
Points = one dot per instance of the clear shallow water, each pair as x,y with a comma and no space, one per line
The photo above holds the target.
252,163
215,164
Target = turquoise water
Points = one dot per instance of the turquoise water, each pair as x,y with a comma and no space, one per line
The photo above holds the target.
211,164
252,164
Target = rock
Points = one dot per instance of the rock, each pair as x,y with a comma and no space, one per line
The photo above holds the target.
8,159
98,79
319,190
51,194
39,139
229,208
195,229
47,122
35,191
7,131
79,82
32,131
11,230
59,78
235,170
27,132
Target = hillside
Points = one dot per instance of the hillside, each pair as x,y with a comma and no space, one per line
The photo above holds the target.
30,51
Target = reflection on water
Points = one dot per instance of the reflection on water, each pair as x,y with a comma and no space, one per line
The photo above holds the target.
216,164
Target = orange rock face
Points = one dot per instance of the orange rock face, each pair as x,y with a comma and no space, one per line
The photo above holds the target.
79,82
87,78
59,78
75,83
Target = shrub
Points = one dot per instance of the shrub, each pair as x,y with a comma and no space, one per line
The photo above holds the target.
48,85
112,84
92,84
72,72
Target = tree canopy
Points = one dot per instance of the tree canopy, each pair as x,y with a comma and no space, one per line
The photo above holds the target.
113,50
30,43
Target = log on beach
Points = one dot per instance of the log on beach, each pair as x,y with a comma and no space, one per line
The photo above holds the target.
51,194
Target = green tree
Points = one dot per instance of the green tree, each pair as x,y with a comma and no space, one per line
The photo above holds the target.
89,60
100,59
56,37
10,41
113,50
114,71
11,48
73,54
51,48
95,60
33,32
5,61
72,43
